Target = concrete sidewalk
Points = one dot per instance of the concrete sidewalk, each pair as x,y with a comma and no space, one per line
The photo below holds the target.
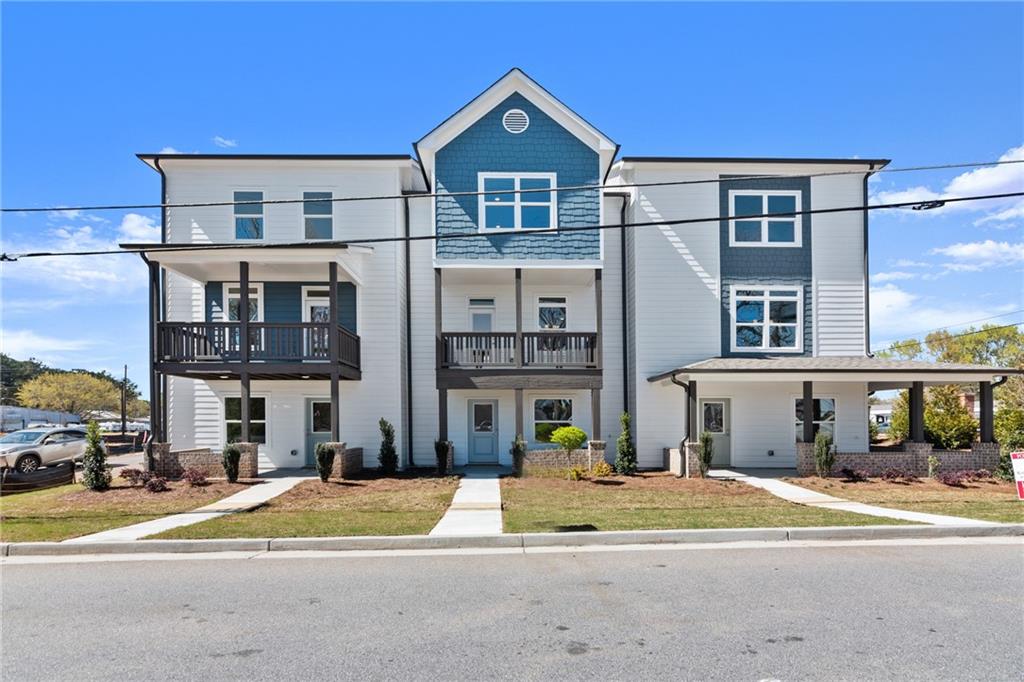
794,493
250,498
476,507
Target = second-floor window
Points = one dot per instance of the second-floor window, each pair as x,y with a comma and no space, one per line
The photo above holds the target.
502,207
767,230
248,216
766,319
317,215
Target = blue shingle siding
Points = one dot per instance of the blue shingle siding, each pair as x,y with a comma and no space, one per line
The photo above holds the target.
769,265
545,147
282,302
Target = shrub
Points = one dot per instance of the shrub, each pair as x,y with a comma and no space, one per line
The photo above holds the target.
977,474
933,466
441,448
705,452
324,460
576,473
95,474
854,475
388,455
133,476
893,475
1009,428
156,484
601,469
194,477
873,432
948,423
952,478
231,457
518,452
824,455
625,449
569,438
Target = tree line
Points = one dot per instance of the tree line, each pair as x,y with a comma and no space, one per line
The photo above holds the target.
31,383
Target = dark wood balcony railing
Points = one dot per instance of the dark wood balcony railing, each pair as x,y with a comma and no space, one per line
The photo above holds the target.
268,342
496,350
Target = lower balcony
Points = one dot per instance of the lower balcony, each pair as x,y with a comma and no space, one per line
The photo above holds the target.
291,350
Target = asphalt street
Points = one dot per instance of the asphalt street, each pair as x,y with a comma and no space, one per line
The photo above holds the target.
823,613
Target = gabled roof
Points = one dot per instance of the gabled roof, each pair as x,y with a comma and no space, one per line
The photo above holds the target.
515,81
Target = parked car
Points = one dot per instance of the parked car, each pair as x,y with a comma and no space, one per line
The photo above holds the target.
28,449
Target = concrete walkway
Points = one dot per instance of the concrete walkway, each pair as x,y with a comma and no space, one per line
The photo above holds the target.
794,493
476,507
250,498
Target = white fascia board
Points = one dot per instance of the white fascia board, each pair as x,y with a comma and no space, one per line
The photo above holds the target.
931,378
525,264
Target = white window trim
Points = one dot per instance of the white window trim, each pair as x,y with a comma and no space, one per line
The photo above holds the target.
307,299
302,224
533,419
536,310
519,201
725,415
224,416
835,422
471,308
765,338
765,193
258,286
235,214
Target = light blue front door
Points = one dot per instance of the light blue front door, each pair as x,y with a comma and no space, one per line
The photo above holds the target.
318,426
483,432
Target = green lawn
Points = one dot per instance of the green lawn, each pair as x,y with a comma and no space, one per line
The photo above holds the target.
383,506
989,500
70,511
654,501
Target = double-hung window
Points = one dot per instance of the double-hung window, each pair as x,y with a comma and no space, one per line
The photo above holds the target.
517,201
248,216
317,212
824,417
257,419
766,223
767,319
550,414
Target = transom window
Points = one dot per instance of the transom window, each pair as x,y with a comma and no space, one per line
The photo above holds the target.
767,319
248,217
550,414
317,215
824,417
257,419
503,208
552,312
768,230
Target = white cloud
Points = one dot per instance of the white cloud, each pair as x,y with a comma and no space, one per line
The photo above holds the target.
897,314
170,150
907,263
24,343
971,256
138,228
896,275
224,142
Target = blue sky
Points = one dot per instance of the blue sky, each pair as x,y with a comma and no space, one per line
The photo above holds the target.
85,87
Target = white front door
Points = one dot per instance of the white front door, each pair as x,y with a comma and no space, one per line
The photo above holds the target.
316,307
715,419
483,431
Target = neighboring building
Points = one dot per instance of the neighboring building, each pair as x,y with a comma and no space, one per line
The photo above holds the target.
486,331
14,417
881,414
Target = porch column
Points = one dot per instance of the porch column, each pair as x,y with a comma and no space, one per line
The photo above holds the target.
519,317
156,425
332,347
438,340
808,402
442,414
519,412
599,314
691,412
917,412
243,312
244,400
595,413
987,428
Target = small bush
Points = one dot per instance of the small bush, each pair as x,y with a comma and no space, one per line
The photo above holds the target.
441,448
569,438
324,460
576,473
873,432
854,475
933,466
952,478
601,469
518,452
625,449
898,476
388,455
95,474
824,455
194,477
232,455
976,474
133,476
705,452
156,484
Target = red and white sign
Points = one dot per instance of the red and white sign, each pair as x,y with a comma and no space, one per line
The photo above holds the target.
1017,458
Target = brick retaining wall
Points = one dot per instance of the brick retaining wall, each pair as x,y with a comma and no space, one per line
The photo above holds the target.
594,453
172,463
913,457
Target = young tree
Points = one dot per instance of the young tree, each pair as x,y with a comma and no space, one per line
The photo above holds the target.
625,450
95,474
948,423
74,392
388,456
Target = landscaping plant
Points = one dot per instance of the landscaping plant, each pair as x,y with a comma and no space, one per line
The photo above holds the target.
854,475
194,477
95,474
518,452
156,484
894,475
824,455
1009,428
232,455
705,452
576,473
441,448
625,449
948,423
324,460
388,455
933,466
133,476
569,438
601,469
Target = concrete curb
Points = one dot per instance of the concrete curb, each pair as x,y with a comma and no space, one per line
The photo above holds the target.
511,540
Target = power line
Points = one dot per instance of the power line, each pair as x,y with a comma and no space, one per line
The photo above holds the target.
958,324
556,190
957,336
478,235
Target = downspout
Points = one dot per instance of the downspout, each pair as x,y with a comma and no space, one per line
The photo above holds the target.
1000,381
684,456
163,297
625,196
408,321
867,296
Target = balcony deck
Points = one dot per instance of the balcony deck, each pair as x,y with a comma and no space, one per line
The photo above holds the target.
550,359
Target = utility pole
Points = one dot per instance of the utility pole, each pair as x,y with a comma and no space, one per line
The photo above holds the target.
124,402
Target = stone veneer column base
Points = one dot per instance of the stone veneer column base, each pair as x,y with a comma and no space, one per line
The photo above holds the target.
596,450
693,460
919,452
249,462
805,465
347,463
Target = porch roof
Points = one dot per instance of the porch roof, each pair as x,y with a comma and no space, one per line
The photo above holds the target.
880,373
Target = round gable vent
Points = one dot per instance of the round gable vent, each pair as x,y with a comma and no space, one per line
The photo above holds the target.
515,121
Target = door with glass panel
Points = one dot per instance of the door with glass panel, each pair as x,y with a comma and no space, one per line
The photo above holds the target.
483,432
552,316
233,307
480,348
715,419
318,426
316,307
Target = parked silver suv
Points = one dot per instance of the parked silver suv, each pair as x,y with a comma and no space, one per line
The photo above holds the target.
28,449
